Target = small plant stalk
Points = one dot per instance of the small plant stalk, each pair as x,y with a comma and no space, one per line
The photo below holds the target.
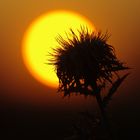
105,120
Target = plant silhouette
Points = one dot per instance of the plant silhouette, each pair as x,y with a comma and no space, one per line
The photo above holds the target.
85,63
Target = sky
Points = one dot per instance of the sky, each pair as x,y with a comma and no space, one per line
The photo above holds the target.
120,18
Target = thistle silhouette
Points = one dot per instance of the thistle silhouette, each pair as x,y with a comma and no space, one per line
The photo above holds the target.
85,63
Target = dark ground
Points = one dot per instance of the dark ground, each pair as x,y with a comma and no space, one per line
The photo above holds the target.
29,122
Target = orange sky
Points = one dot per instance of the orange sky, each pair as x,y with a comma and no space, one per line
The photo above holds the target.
121,18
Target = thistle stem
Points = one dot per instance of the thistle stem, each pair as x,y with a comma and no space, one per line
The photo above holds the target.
104,116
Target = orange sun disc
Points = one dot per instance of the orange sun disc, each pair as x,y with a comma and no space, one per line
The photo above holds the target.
40,38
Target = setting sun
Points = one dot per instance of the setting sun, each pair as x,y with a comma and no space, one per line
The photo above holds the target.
40,38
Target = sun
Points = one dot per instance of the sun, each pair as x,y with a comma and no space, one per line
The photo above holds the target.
40,38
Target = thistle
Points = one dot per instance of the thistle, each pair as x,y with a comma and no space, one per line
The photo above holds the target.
85,63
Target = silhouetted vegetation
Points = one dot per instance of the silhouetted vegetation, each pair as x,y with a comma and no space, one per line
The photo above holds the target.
86,64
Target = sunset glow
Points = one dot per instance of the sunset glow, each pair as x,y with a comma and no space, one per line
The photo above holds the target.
40,38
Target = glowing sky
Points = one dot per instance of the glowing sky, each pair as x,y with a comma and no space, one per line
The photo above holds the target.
121,18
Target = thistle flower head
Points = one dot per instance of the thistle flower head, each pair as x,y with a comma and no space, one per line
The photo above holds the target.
84,62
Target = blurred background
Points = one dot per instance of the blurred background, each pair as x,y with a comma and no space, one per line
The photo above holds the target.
29,108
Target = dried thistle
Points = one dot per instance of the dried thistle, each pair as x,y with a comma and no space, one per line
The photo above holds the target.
85,62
